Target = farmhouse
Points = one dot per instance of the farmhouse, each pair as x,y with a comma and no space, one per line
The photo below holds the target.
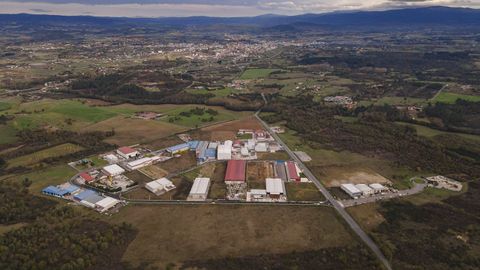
351,190
365,189
127,152
199,191
113,170
275,188
160,186
292,173
235,172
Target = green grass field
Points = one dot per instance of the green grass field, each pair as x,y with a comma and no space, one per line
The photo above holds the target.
36,157
4,106
218,92
303,192
446,97
42,178
430,132
7,134
257,73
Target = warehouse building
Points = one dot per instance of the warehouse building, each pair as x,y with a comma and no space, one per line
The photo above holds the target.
235,171
140,163
160,186
127,152
179,148
292,172
275,188
199,191
113,170
280,171
193,145
55,192
365,189
106,204
378,188
86,177
84,194
224,151
351,190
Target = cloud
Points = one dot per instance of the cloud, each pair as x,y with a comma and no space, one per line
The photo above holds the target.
225,8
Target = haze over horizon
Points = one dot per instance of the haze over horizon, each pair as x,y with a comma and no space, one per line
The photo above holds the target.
217,8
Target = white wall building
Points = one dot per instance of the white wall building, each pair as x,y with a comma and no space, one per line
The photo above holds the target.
113,170
199,191
160,186
127,152
106,204
275,188
366,190
351,190
140,163
224,151
378,188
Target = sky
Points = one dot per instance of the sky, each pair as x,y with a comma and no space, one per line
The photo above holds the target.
218,8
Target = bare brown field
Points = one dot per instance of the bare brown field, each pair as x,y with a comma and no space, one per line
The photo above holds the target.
335,176
218,187
132,131
163,142
173,234
257,172
185,161
366,215
154,172
228,131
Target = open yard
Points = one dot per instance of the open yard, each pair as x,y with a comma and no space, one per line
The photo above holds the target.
132,131
257,172
56,151
227,131
303,192
153,172
166,233
175,165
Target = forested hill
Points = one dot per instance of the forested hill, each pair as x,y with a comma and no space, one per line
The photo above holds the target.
413,17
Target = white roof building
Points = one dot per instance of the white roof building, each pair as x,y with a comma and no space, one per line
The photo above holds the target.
366,190
351,190
224,151
160,186
275,186
106,204
139,163
377,188
261,147
199,191
244,151
111,158
113,170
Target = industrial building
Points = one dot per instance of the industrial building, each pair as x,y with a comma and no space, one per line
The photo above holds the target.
160,186
378,188
280,171
179,148
224,151
113,170
351,190
127,152
55,192
292,173
199,191
275,188
235,171
365,189
140,163
106,204
86,177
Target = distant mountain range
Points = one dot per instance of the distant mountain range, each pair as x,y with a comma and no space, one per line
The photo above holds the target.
428,16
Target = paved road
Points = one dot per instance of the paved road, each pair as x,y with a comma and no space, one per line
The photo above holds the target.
350,221
407,192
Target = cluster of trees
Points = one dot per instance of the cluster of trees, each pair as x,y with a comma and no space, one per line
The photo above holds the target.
18,205
199,111
372,134
351,257
462,113
447,234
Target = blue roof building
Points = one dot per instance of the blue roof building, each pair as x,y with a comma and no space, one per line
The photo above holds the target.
71,188
211,153
193,145
55,191
84,194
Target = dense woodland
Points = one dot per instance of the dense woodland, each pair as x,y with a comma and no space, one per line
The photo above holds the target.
55,237
372,134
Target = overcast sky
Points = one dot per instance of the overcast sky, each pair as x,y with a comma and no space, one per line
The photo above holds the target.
223,8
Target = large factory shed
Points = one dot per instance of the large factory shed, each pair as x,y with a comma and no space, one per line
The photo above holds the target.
235,171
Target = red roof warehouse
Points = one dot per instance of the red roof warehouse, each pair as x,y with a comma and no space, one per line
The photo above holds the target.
235,171
86,177
292,171
126,150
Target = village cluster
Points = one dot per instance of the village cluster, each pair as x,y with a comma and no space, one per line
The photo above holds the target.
89,185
